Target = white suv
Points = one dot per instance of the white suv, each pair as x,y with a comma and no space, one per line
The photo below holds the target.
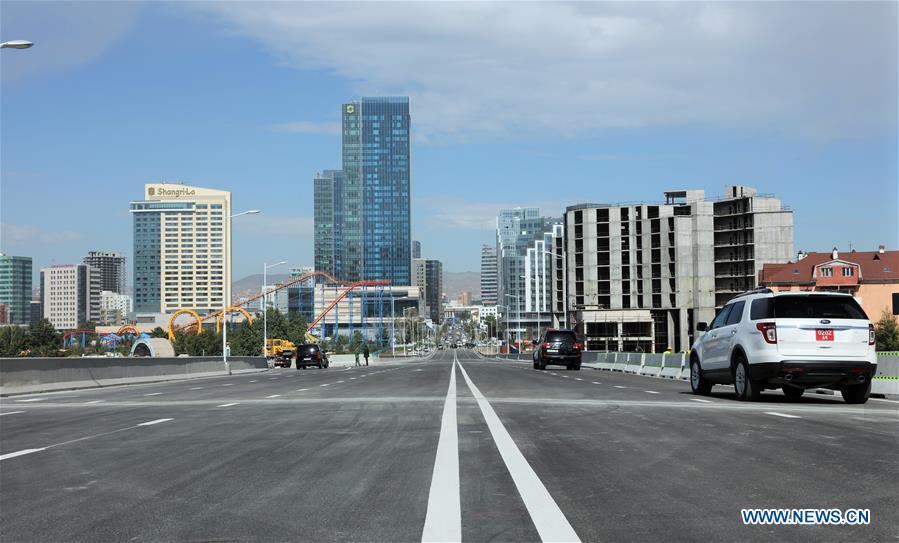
789,340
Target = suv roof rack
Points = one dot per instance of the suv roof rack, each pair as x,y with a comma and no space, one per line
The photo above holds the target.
756,290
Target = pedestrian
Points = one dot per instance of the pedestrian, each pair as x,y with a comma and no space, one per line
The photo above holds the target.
357,358
365,353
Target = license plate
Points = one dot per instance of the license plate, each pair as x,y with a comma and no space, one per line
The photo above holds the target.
823,335
552,350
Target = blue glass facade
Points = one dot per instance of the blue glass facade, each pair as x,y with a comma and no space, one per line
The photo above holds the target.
147,256
375,239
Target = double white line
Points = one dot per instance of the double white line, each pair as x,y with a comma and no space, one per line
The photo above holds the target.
443,521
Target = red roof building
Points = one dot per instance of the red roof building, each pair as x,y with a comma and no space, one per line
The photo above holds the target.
870,276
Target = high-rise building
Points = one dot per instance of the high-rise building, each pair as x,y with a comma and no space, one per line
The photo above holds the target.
374,237
114,307
15,287
639,277
416,249
70,295
523,241
182,249
112,269
465,297
36,311
427,275
488,275
327,187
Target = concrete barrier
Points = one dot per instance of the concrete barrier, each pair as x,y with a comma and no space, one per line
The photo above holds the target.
27,375
887,379
652,364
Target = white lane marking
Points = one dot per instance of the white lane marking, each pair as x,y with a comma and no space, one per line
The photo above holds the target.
443,521
338,382
197,388
229,404
11,413
352,378
578,379
20,453
228,385
619,386
548,519
650,391
272,378
565,377
273,396
596,382
698,400
94,401
784,415
153,394
32,400
325,385
551,373
302,390
254,381
152,422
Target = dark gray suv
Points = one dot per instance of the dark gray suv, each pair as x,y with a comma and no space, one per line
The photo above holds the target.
560,348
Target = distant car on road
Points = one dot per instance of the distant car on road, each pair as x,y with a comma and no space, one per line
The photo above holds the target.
788,340
559,348
311,354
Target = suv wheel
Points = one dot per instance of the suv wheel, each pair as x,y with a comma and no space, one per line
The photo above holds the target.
746,388
793,393
857,393
698,382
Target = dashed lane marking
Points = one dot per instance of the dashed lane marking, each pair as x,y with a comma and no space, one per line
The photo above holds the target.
650,391
32,400
273,396
619,386
596,382
152,422
325,385
228,385
11,413
784,415
699,400
302,390
229,404
153,394
94,401
197,388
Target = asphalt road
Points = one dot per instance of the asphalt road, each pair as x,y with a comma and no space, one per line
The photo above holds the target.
479,450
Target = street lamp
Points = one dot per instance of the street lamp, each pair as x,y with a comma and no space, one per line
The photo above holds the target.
265,268
226,300
16,44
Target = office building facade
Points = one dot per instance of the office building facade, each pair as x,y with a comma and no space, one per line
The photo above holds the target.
427,275
367,207
70,295
416,249
182,249
524,291
639,277
15,287
112,268
114,307
488,275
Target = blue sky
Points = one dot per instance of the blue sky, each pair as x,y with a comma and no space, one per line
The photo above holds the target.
531,104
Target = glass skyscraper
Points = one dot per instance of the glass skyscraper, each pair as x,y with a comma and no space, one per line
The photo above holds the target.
15,287
369,202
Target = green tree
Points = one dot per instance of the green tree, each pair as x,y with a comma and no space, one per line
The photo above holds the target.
356,343
159,332
490,320
13,341
43,339
296,328
886,333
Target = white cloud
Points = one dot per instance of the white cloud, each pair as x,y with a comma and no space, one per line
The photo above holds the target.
488,70
447,213
19,234
308,127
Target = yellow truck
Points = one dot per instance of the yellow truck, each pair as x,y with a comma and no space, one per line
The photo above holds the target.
280,352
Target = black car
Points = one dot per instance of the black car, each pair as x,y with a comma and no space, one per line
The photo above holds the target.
311,354
560,348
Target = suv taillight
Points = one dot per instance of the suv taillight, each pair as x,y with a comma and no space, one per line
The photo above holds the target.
545,345
769,331
872,337
577,346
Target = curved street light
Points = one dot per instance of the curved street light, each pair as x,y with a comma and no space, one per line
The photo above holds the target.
227,302
16,44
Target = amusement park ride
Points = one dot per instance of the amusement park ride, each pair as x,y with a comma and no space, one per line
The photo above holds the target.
218,316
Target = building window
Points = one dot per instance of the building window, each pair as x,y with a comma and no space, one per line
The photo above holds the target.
848,272
826,272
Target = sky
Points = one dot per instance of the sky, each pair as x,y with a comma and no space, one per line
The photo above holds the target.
544,104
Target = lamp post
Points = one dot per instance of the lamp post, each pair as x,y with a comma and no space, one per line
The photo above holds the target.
265,268
16,44
225,299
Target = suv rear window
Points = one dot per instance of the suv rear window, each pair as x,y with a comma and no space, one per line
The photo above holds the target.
816,307
552,337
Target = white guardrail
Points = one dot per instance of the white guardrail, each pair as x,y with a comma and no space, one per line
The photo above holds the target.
676,366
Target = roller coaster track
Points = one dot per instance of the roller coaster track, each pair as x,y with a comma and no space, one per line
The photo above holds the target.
292,281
